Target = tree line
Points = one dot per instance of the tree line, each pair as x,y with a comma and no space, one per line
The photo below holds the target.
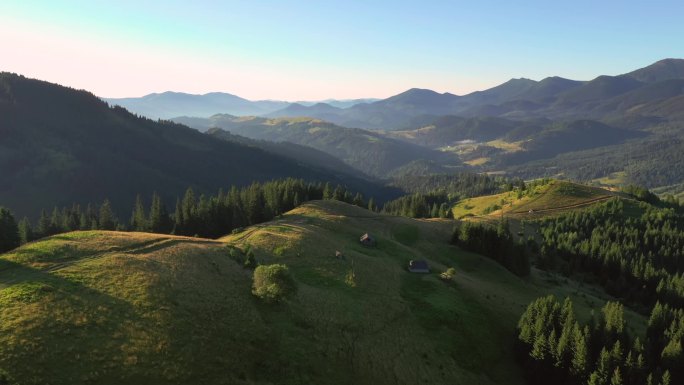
201,215
555,347
433,205
495,242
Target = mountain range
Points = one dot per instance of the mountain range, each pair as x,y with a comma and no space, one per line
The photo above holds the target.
80,150
652,90
170,104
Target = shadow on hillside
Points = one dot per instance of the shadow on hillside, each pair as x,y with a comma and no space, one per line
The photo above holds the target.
81,330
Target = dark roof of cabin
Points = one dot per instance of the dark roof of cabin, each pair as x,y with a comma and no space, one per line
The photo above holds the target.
418,265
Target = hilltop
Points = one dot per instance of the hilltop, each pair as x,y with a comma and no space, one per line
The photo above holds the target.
108,307
541,200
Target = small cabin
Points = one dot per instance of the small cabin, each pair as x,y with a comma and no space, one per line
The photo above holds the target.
367,240
418,267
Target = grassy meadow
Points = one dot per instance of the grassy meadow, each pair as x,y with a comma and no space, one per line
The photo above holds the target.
110,308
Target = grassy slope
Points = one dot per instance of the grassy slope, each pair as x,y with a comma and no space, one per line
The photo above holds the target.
106,307
551,199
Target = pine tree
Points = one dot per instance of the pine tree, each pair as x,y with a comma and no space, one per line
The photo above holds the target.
580,351
179,220
327,192
358,200
159,221
138,219
539,348
189,207
25,231
371,204
83,222
9,231
55,222
616,379
107,220
43,224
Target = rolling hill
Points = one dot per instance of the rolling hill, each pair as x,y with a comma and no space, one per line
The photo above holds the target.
505,142
107,307
367,151
79,150
549,199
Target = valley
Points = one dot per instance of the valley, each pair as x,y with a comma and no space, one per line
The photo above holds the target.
260,193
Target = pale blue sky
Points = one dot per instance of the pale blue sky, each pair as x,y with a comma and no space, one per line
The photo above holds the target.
329,49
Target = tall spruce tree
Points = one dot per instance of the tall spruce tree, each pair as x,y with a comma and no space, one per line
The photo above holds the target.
159,221
9,231
25,231
138,219
107,220
43,224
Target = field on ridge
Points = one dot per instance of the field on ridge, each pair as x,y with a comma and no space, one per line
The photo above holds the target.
108,307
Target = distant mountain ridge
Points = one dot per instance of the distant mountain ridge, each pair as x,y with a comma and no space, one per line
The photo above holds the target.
552,97
61,146
170,104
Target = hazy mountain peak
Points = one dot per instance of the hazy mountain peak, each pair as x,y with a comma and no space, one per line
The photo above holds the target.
661,70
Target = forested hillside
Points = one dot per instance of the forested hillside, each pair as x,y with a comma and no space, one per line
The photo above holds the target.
78,150
368,152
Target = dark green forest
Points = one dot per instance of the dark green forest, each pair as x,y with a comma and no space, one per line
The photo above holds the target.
556,348
208,216
634,250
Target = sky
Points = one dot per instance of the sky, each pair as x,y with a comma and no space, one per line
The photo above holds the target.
314,50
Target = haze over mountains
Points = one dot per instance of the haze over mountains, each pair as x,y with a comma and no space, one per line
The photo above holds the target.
170,104
640,92
78,149
69,138
518,128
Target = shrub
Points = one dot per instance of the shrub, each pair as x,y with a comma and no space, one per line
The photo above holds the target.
448,274
273,283
250,261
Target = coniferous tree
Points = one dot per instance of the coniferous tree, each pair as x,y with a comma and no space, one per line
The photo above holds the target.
179,220
138,218
25,231
327,192
434,212
371,204
159,221
83,222
9,231
358,200
189,208
107,220
55,222
43,224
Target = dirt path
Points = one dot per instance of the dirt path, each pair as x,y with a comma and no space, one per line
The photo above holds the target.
565,207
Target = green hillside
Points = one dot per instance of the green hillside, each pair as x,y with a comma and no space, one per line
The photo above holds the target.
137,308
367,151
552,198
